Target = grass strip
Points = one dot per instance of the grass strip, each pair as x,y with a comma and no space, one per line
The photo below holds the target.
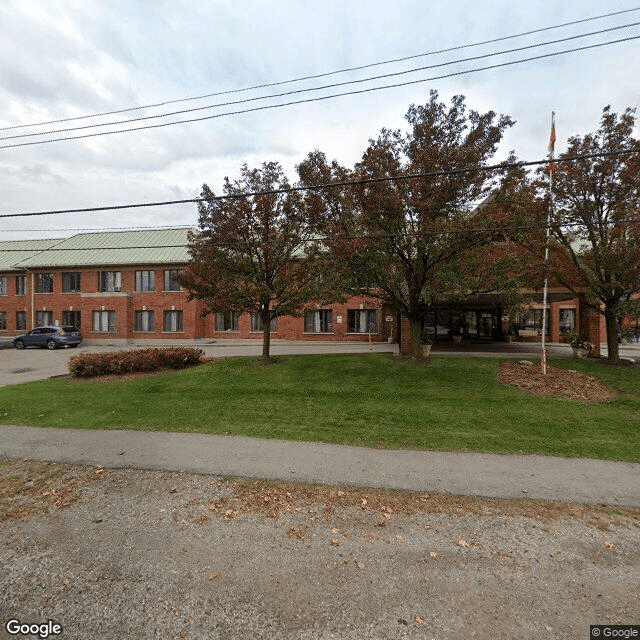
373,400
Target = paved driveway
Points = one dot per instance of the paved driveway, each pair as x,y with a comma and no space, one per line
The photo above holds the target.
29,364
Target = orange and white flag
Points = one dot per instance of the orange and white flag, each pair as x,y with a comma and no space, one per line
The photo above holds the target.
552,143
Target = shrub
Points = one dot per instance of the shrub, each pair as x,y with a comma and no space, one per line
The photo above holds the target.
138,360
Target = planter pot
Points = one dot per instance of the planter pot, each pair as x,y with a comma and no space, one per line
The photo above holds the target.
581,353
425,350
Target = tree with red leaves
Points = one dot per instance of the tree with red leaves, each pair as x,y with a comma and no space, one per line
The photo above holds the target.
596,222
423,243
258,254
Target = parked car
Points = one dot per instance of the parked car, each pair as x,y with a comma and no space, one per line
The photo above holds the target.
49,337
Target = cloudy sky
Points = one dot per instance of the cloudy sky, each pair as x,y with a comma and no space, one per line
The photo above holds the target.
62,59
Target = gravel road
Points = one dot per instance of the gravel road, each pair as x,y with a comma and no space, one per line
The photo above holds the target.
118,553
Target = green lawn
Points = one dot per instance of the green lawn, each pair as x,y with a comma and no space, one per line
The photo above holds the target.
370,400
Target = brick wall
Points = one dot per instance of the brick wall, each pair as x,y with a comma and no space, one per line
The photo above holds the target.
126,302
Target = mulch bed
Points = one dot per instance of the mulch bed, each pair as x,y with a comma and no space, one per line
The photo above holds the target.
557,383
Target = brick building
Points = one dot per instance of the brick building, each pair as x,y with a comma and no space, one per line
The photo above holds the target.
121,286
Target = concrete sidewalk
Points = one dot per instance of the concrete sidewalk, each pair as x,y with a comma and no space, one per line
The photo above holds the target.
488,475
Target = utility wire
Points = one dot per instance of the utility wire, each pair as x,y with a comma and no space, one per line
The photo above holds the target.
332,185
304,240
321,98
318,88
325,74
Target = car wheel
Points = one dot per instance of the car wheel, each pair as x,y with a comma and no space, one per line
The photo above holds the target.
51,344
19,344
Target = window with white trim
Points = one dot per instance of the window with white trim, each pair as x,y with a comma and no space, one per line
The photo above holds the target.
3,320
3,285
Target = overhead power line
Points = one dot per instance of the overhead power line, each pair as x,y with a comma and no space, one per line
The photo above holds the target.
326,74
321,98
317,88
331,185
542,226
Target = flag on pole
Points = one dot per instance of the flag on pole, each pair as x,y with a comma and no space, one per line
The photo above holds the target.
552,144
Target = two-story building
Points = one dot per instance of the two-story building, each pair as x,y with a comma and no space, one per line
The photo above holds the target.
121,287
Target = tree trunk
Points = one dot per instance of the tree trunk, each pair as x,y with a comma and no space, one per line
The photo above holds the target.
612,334
266,338
416,335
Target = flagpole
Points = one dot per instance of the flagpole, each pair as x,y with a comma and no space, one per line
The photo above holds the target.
552,141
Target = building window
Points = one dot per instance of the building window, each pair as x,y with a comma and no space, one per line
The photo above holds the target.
44,318
44,283
170,283
71,282
21,320
3,320
362,321
256,323
318,321
110,281
531,322
567,321
227,321
3,285
145,280
104,321
144,321
173,321
71,319
21,285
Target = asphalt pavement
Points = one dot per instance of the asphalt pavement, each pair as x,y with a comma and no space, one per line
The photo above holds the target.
488,475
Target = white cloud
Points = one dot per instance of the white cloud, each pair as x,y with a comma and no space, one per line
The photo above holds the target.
75,57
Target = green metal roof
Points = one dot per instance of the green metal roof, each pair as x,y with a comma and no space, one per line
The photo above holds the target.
14,251
152,246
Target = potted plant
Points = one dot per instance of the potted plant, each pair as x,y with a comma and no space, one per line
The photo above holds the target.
581,348
425,346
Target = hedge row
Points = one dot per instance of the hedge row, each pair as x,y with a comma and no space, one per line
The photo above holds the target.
119,362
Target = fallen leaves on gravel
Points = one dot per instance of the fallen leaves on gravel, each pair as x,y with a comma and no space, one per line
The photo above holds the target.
27,488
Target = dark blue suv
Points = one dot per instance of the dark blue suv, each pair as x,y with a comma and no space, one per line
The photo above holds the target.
49,337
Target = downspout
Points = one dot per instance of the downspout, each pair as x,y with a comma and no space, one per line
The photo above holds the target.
33,302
